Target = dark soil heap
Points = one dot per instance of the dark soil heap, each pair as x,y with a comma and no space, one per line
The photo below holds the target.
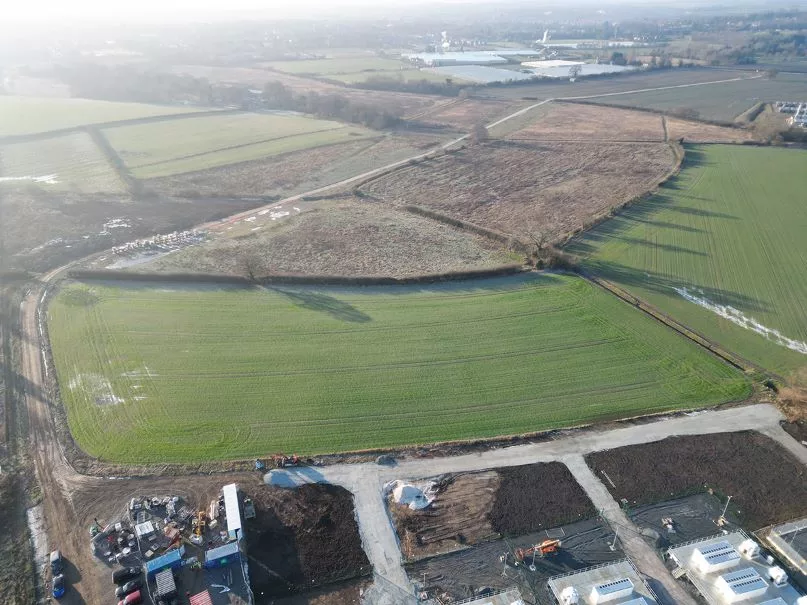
537,496
766,483
304,538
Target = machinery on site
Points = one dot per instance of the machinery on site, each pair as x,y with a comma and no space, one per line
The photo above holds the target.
199,522
283,461
540,550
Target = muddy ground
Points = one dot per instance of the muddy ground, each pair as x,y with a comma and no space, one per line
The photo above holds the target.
462,574
43,231
307,537
766,483
521,188
471,508
348,593
16,554
303,538
338,237
797,429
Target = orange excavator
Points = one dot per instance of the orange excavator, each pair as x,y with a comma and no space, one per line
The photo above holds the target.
547,547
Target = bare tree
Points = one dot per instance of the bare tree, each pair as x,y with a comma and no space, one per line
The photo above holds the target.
250,266
480,134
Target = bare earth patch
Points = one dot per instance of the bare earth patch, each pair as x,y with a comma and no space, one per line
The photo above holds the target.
520,188
344,237
569,121
697,132
471,508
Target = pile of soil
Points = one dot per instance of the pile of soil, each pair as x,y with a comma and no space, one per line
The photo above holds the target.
303,538
537,496
796,429
766,483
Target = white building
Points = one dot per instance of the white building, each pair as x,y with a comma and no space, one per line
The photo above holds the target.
731,568
232,510
616,583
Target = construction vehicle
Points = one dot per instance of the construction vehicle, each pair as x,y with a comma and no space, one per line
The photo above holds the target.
547,547
199,527
249,509
282,460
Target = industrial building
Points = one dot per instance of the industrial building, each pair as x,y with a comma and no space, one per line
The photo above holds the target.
731,568
789,541
617,583
482,57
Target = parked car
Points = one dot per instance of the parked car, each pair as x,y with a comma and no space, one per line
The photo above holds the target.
131,599
130,586
58,587
124,574
56,562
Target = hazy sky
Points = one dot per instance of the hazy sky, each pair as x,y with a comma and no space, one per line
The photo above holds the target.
102,10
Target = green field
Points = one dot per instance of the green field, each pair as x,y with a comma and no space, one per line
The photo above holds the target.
731,230
73,161
188,145
722,102
28,115
184,374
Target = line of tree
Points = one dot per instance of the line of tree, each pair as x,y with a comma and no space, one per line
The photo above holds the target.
277,95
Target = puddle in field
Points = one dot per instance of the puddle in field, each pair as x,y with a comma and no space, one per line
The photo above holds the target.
739,318
276,215
35,517
48,179
97,387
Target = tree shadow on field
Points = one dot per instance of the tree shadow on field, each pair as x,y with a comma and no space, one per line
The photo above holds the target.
317,301
630,277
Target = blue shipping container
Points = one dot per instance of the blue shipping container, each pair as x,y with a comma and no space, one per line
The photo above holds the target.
170,560
221,556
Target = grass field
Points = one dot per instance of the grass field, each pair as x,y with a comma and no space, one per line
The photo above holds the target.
70,162
28,115
723,102
167,148
730,230
184,374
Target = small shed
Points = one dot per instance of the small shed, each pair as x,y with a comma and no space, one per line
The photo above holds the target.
223,555
166,585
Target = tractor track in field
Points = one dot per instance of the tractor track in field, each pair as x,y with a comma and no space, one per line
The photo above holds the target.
71,499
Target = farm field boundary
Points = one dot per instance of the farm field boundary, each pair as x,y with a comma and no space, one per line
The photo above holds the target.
118,165
321,280
47,134
358,414
660,112
718,250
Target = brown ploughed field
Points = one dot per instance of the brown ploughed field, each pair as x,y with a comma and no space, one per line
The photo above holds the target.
520,188
698,132
766,483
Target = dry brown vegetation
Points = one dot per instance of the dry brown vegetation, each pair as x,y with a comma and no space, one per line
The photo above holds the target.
521,188
295,172
345,237
698,132
571,121
463,115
